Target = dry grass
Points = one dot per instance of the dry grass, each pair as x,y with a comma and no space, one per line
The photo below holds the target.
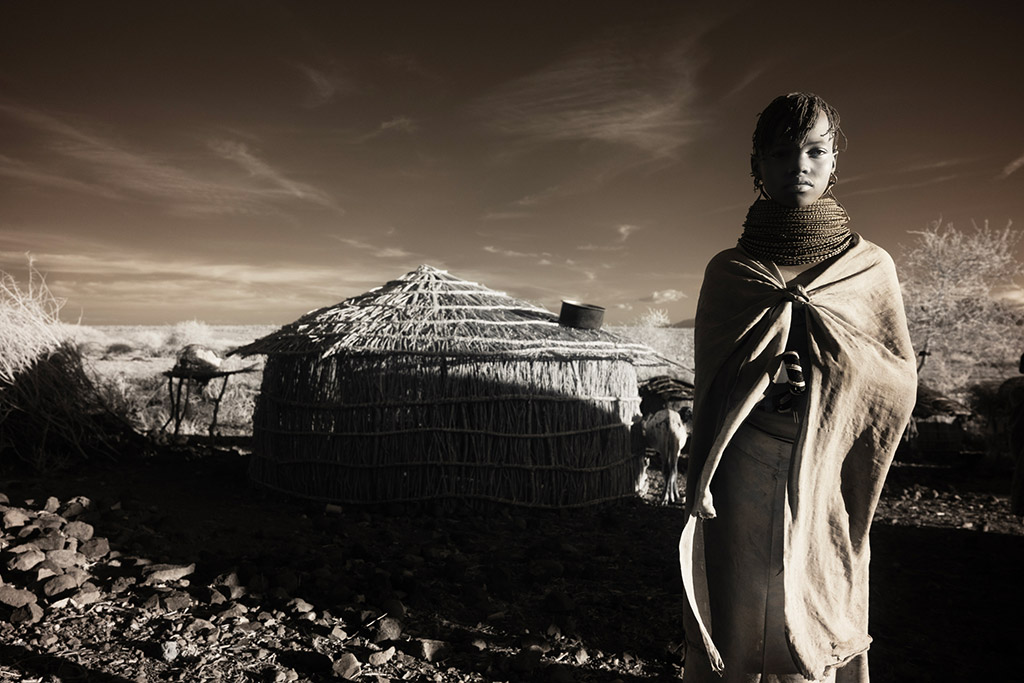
30,324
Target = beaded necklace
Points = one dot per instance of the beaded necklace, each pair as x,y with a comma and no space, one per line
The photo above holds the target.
792,236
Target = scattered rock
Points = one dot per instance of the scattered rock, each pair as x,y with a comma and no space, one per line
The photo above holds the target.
63,583
27,614
65,558
177,600
24,561
387,629
169,651
299,605
94,548
382,657
16,597
80,530
348,666
166,573
431,650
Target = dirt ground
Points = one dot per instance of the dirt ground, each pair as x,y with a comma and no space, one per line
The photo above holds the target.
287,590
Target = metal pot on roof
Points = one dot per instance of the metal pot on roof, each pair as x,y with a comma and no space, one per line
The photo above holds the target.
581,316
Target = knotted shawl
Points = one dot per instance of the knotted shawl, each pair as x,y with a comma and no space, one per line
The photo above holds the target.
861,388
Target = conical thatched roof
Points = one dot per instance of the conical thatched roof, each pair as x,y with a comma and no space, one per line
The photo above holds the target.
431,313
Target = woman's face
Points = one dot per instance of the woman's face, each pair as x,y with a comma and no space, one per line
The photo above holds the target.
796,173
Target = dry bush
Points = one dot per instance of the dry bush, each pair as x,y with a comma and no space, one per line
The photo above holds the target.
51,411
189,332
29,324
949,279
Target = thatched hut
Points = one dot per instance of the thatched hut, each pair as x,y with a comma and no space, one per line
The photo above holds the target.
431,387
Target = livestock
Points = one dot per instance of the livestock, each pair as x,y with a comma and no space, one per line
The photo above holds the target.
666,432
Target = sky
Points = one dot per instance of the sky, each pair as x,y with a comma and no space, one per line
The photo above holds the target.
246,162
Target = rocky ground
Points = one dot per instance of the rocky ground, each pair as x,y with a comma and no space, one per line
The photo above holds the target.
171,568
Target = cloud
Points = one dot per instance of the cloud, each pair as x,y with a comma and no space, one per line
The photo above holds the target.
1011,168
664,296
606,93
516,254
505,215
600,247
322,87
257,168
70,157
114,283
902,186
626,230
20,170
402,124
378,252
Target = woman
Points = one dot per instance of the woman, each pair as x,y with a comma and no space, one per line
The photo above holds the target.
805,379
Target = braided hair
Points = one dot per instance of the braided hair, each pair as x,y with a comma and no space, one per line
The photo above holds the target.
792,117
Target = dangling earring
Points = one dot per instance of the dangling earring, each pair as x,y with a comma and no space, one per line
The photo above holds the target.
832,180
759,188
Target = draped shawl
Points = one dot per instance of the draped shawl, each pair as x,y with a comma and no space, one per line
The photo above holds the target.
860,392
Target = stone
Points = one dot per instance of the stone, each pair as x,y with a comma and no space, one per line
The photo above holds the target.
387,629
94,548
65,558
121,584
382,657
432,650
86,595
299,605
75,507
169,651
27,614
52,504
16,597
51,539
62,583
235,609
83,531
79,574
166,573
177,600
26,560
348,667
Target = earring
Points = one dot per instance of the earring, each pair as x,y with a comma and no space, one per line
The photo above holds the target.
832,180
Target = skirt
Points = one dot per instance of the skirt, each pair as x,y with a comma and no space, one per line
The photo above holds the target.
743,550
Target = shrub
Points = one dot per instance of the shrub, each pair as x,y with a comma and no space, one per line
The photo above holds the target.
119,348
189,332
949,279
30,324
51,412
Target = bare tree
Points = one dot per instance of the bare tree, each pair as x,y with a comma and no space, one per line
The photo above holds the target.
950,280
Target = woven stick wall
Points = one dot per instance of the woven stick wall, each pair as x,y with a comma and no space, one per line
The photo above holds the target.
432,387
